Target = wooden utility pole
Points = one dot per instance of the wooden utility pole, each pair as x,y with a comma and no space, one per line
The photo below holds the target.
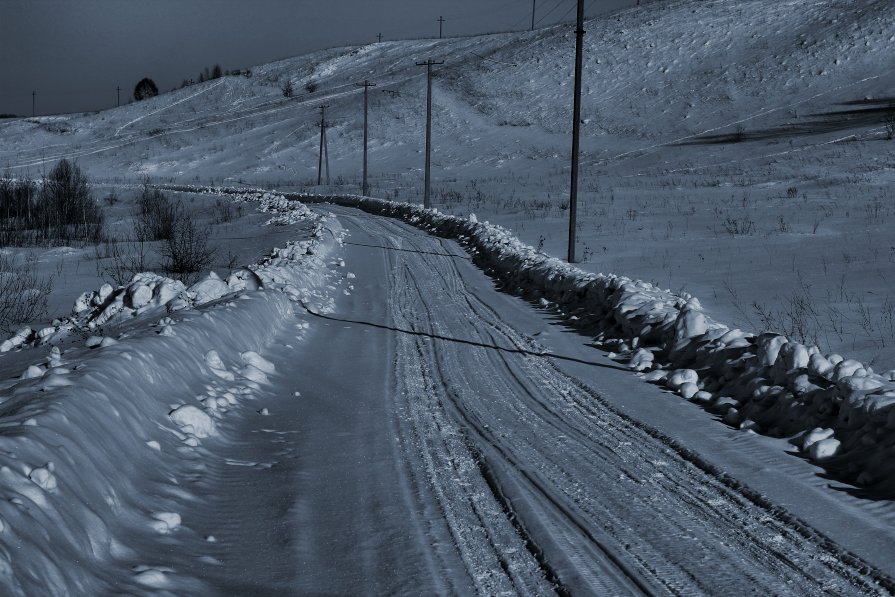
322,147
576,131
380,38
33,95
366,85
440,23
428,64
118,90
533,5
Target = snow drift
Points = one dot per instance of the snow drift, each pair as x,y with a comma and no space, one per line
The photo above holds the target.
95,436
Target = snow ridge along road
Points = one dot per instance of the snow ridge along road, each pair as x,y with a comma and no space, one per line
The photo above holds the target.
521,477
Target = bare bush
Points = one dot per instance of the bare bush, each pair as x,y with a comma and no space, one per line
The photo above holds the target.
743,226
187,252
122,260
158,215
23,292
226,211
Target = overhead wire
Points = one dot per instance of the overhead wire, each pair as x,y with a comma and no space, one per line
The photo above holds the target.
549,12
479,13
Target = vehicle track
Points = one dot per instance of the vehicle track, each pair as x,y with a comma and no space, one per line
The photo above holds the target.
515,446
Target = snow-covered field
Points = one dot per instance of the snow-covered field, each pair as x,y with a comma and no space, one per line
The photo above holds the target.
736,168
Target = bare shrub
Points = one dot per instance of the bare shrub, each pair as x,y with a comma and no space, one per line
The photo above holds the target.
122,260
226,211
287,88
23,292
742,226
158,215
187,252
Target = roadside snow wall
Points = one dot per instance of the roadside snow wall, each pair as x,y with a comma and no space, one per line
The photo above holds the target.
837,410
97,436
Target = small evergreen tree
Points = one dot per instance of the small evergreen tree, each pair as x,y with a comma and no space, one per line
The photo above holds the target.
145,89
216,72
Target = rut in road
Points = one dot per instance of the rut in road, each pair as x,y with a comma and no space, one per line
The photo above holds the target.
514,448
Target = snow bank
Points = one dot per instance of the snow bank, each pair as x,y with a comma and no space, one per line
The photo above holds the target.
149,292
766,383
96,435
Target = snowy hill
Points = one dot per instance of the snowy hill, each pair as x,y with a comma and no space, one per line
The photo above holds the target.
656,75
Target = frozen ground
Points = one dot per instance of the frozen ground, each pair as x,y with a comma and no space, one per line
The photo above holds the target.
735,151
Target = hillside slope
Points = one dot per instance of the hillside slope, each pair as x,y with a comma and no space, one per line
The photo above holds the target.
653,76
733,149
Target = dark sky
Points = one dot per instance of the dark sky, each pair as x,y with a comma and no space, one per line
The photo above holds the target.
74,53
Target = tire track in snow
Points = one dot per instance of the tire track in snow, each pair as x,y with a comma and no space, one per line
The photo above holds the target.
573,466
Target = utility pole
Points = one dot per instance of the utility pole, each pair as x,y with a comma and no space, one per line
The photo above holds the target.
118,89
366,85
428,64
533,5
33,95
322,147
440,23
380,38
576,131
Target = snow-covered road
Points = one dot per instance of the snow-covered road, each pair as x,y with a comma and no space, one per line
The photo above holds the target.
449,438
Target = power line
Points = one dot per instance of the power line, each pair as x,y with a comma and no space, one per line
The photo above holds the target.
550,12
478,13
568,12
